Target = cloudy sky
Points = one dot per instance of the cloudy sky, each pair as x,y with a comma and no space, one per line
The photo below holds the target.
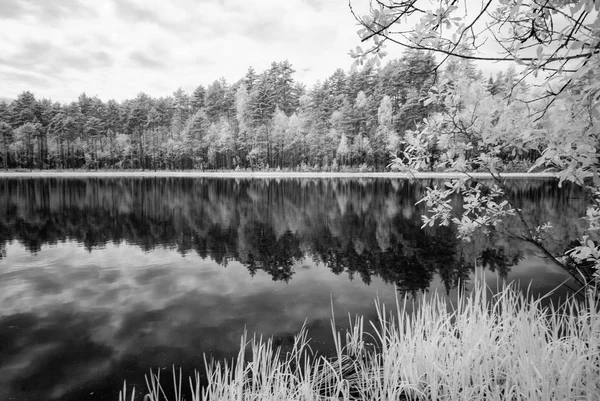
117,48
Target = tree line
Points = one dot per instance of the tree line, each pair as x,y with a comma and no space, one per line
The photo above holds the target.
264,120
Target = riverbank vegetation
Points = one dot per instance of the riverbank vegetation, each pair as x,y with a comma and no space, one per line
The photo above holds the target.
505,346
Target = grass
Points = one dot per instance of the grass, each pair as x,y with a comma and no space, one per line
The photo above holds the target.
483,347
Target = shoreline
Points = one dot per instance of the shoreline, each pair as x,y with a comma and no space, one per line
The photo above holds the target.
257,174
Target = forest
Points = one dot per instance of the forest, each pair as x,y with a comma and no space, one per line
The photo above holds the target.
351,121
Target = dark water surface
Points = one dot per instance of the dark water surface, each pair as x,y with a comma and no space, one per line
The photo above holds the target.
104,278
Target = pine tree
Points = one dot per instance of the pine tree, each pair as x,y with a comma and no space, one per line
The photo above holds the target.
24,110
197,101
181,105
136,125
216,100
250,79
492,86
279,127
5,131
92,130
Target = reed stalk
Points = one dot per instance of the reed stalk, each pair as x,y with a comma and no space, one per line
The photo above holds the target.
505,346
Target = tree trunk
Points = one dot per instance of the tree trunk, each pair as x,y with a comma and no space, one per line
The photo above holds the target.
68,154
5,151
30,152
61,152
44,149
142,150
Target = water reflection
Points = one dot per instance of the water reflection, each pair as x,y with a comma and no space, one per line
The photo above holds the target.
363,227
101,279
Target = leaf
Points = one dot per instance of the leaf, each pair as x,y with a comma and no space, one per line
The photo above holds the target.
576,7
362,32
515,9
576,45
589,6
367,20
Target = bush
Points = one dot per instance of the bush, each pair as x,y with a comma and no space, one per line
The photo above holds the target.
363,168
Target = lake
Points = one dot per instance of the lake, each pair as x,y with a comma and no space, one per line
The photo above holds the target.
104,278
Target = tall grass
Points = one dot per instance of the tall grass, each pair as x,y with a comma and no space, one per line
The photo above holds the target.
483,347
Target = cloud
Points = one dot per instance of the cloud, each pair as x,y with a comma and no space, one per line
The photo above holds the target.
265,30
117,48
51,336
143,60
44,10
43,56
315,5
130,11
32,53
12,9
26,80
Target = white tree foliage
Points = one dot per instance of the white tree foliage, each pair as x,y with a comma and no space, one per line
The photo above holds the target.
555,41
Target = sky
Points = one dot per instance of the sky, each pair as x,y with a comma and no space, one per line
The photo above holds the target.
117,48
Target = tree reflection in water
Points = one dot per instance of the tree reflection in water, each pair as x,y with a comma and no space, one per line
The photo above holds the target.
360,227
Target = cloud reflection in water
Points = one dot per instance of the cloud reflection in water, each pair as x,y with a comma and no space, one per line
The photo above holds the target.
79,321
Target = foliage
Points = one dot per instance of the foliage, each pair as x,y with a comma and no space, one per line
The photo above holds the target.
264,118
480,124
502,347
553,36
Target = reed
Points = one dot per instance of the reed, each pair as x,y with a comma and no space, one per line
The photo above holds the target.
505,346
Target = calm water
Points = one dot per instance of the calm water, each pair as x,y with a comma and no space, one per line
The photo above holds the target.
102,279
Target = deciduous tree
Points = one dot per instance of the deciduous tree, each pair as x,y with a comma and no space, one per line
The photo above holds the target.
554,40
